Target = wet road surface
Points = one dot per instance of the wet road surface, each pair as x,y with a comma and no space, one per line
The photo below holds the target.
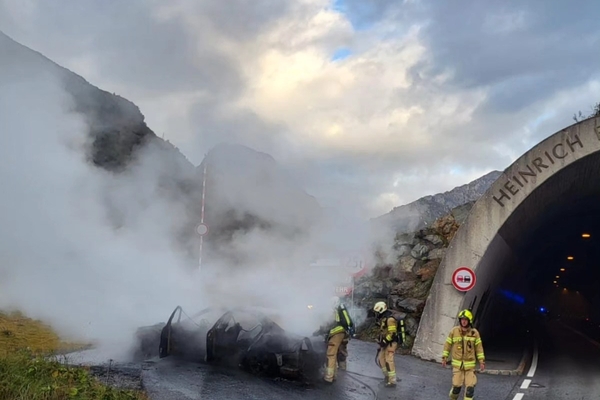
417,380
172,379
567,366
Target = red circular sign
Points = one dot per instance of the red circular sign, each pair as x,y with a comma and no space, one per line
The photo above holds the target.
463,279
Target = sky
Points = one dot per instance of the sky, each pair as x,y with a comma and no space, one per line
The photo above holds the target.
369,104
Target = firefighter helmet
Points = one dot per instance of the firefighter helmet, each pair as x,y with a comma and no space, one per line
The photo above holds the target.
380,307
466,314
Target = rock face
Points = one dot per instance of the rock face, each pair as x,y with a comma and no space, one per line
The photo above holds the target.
116,125
424,211
404,284
116,129
248,193
246,190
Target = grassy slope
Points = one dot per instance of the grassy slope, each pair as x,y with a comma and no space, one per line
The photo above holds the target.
27,373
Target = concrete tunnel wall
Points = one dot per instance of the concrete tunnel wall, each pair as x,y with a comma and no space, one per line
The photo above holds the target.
478,243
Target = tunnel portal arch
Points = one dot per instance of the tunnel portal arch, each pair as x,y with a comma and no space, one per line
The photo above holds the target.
482,242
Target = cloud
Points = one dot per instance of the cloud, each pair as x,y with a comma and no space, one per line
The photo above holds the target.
423,88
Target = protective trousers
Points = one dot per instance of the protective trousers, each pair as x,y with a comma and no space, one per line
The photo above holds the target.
385,358
342,353
333,346
462,377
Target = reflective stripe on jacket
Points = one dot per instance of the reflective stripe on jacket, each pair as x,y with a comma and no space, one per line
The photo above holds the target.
342,321
464,348
388,329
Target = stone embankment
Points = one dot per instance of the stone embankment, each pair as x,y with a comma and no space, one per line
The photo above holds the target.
405,282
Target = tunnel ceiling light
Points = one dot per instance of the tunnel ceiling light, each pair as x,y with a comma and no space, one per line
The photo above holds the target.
562,269
554,282
570,258
585,235
557,276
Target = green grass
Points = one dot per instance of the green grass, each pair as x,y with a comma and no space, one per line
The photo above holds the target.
29,372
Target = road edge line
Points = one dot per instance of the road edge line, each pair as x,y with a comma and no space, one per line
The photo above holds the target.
511,372
534,360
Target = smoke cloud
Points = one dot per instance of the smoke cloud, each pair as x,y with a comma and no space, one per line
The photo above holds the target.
93,253
62,259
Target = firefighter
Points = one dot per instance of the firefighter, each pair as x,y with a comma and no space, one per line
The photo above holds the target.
337,337
388,322
464,345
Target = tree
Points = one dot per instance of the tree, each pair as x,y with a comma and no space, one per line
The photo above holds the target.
595,113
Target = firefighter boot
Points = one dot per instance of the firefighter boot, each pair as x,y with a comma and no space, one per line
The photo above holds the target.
469,392
454,392
390,380
329,375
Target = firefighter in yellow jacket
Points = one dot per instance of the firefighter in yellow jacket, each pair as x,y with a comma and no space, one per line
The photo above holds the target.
337,337
388,321
464,346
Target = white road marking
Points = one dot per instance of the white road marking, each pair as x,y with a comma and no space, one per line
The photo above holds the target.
518,396
525,383
534,361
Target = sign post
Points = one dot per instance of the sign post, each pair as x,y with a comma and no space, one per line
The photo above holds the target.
463,279
202,229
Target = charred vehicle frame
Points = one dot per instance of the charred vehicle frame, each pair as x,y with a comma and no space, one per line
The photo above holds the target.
241,337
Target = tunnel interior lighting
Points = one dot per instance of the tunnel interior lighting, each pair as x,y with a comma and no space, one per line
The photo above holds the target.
562,270
557,276
554,282
570,258
585,235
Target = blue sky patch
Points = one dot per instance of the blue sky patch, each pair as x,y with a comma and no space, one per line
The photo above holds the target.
361,15
341,54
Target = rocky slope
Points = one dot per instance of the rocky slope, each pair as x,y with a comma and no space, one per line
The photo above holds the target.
422,212
247,189
404,283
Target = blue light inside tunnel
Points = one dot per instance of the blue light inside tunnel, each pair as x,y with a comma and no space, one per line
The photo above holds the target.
542,309
513,296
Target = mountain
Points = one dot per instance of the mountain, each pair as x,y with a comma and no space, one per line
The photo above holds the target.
248,193
116,125
116,129
422,212
246,189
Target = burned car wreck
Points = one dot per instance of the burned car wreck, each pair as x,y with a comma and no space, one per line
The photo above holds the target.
241,337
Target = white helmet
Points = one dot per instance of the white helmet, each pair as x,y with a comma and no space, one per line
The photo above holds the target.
335,302
380,307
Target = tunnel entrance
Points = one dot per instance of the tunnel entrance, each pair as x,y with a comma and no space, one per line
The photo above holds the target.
517,239
553,271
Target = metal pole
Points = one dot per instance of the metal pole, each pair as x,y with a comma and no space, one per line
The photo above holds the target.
202,213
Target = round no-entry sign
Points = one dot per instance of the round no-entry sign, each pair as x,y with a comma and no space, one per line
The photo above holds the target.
463,279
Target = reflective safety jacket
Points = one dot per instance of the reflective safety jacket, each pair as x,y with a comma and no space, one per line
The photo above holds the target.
388,328
342,319
465,348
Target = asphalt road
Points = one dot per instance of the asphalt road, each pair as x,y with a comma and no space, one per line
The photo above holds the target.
170,379
566,366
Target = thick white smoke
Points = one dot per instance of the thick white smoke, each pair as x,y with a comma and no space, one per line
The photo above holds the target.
62,259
